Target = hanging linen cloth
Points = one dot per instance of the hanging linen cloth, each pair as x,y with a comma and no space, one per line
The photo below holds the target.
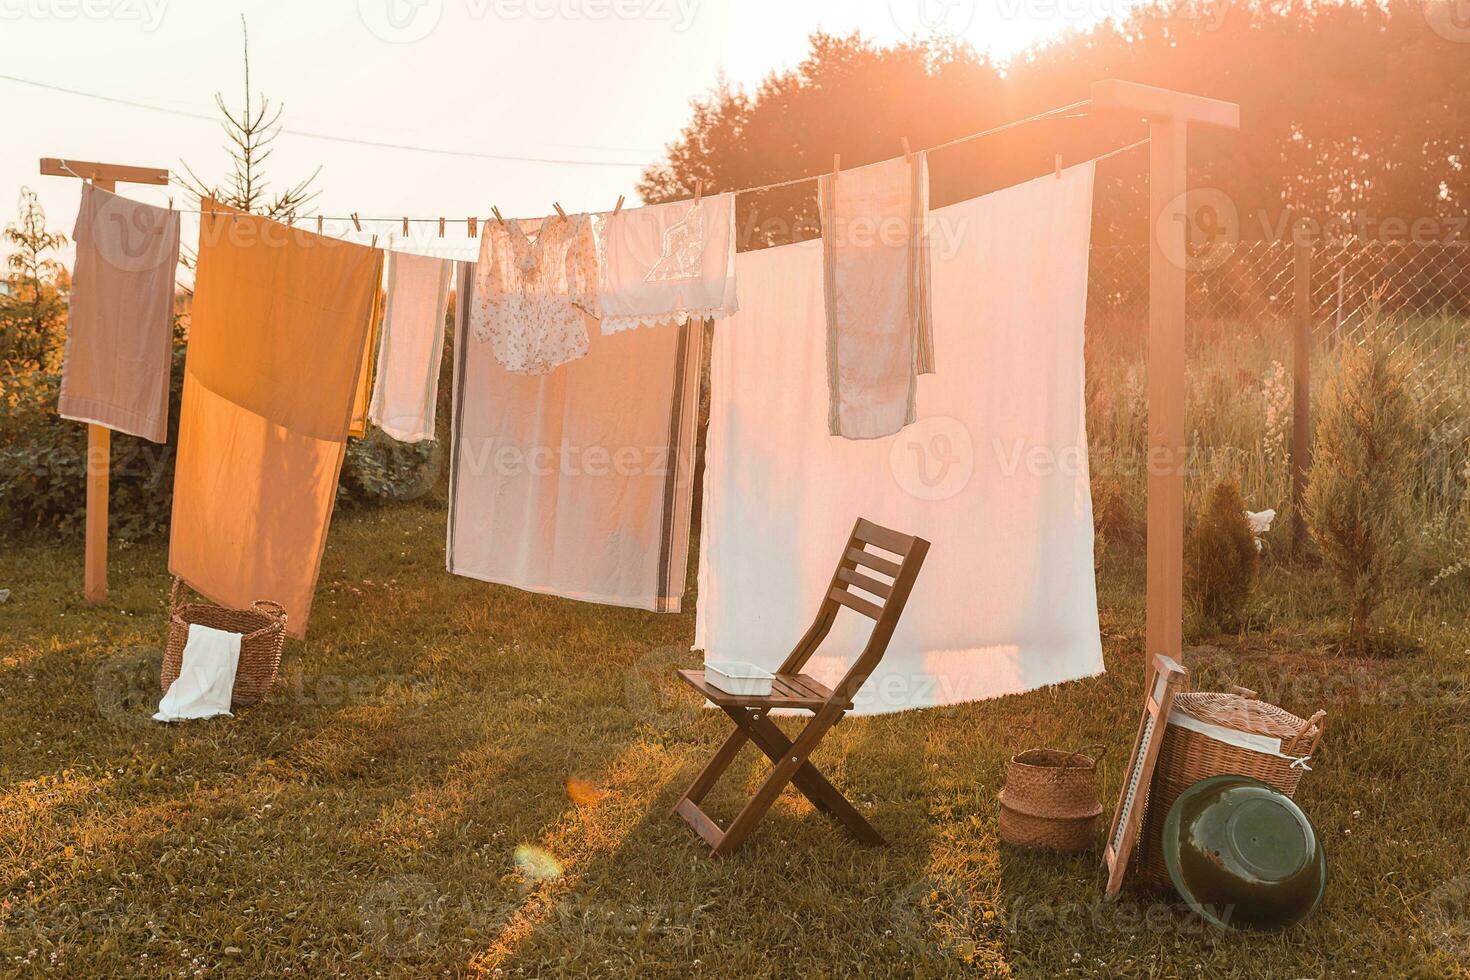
994,473
876,265
577,483
120,316
535,281
667,263
411,346
366,371
276,346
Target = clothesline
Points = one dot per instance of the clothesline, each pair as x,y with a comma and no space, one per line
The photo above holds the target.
1067,111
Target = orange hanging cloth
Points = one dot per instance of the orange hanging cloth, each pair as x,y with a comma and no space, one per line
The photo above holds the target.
277,343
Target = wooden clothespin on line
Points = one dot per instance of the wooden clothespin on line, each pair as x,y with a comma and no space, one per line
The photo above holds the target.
374,243
356,223
441,227
496,211
619,206
405,227
319,220
698,190
472,225
560,213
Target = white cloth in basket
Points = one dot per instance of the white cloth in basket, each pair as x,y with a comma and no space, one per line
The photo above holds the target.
206,676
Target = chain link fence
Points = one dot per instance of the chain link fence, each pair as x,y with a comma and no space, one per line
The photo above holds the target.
1241,317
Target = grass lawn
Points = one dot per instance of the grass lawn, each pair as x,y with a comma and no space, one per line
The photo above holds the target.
402,805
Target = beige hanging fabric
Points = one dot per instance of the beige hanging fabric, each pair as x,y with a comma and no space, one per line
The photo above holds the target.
875,260
366,370
577,483
410,347
276,347
119,331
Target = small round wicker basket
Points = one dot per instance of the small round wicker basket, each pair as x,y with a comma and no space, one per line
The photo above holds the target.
263,633
1050,800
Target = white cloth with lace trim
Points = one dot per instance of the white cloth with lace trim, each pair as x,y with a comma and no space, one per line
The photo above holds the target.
667,263
535,286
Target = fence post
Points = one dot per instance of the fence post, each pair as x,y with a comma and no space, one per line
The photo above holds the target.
1301,390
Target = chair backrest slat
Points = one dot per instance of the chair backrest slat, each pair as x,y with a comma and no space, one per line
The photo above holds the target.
870,609
857,556
870,533
869,585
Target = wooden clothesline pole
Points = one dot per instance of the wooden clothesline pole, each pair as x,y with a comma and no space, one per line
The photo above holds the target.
1169,115
99,438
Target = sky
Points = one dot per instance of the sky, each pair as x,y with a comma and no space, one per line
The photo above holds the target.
604,83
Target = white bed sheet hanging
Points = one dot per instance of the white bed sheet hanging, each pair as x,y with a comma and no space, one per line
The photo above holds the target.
993,473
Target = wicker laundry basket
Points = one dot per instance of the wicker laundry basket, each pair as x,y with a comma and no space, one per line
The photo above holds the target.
1189,754
1050,800
263,631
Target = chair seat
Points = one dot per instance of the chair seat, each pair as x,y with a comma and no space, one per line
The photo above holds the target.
787,691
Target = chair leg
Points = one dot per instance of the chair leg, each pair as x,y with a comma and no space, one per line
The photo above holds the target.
716,767
813,785
781,774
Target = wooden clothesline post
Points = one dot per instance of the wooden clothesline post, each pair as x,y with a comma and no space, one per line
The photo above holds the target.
99,438
1169,116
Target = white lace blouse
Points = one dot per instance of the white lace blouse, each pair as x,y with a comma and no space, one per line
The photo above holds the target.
535,285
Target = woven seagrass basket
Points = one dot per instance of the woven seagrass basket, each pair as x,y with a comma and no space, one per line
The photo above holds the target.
263,632
1187,756
1050,800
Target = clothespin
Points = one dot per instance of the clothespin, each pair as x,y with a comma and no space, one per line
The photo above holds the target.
473,225
908,154
441,227
375,242
562,214
496,211
1059,166
318,224
405,227
619,206
170,202
355,223
698,190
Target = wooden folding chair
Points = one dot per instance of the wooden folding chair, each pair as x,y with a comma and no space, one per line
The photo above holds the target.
859,569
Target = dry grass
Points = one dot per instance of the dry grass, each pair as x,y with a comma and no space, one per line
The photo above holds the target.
367,820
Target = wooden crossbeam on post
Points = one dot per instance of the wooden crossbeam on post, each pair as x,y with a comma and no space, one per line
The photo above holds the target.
1169,115
99,438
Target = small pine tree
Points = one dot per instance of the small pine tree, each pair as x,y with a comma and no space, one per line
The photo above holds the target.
1356,504
251,130
1224,558
32,306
